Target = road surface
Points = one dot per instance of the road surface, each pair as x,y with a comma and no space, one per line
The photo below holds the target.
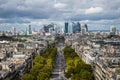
59,66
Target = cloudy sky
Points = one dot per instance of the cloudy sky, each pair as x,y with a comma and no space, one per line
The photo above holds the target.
98,14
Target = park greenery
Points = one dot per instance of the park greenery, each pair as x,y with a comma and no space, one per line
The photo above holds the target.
42,65
76,69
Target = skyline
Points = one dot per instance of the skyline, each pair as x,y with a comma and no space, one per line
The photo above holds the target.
98,14
37,28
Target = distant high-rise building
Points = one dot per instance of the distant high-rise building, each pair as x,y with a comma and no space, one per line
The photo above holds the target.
48,28
83,31
76,27
86,27
26,32
112,30
66,27
14,31
29,29
51,26
70,27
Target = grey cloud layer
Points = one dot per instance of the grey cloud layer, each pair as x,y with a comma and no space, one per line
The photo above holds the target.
20,10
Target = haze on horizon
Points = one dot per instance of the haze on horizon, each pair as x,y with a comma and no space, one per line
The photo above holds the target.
98,14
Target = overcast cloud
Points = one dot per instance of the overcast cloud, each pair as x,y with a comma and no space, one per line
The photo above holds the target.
98,12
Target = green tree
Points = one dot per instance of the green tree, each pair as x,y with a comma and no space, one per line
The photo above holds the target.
28,77
35,69
85,75
76,77
42,76
42,65
76,68
39,60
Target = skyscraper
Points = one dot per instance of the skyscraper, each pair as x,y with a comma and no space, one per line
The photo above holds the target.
86,27
14,31
76,27
70,27
112,30
48,28
29,29
26,32
66,27
83,30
